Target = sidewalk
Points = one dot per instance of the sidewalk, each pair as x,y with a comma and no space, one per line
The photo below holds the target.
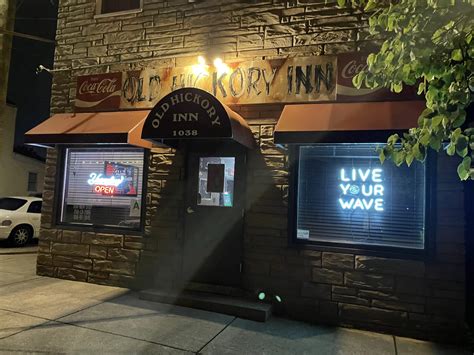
39,314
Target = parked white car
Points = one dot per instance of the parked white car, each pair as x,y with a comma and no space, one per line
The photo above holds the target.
20,219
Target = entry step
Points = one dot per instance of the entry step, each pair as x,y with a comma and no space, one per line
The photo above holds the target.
234,306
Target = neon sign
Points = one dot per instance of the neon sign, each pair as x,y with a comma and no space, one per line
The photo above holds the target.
361,189
104,185
97,179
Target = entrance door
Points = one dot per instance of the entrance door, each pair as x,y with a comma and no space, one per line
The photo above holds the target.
214,213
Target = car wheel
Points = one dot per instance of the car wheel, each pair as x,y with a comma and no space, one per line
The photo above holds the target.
20,236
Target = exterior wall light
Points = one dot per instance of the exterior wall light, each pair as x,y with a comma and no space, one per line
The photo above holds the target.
201,68
221,67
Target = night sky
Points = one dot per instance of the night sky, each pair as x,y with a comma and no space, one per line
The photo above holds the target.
30,92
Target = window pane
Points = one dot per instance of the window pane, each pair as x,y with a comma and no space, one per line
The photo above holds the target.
11,204
103,187
216,181
32,181
119,5
35,207
346,196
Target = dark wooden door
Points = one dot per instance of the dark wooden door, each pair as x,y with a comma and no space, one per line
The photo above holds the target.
214,213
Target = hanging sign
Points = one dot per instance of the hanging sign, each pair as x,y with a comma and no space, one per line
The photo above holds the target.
187,113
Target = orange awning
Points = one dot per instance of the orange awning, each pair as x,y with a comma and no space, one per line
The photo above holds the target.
122,127
346,122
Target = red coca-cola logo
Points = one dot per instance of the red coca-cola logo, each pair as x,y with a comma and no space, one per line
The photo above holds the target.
105,86
352,68
98,92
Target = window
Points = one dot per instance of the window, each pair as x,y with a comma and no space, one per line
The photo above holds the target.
32,182
11,203
103,187
345,196
118,6
35,207
216,181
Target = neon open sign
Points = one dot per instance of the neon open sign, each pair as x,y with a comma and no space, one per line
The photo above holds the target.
361,189
104,185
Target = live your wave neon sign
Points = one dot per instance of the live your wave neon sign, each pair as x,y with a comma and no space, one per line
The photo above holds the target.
361,189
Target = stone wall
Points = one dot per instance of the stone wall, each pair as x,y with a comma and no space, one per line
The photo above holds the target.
424,298
174,33
412,297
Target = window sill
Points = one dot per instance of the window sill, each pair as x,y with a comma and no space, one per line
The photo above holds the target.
378,251
98,229
118,13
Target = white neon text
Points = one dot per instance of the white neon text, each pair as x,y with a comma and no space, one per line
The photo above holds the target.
361,189
97,179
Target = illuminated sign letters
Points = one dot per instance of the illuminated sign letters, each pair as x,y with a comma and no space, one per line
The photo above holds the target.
104,185
361,189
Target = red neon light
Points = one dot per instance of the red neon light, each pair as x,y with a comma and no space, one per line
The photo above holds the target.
104,189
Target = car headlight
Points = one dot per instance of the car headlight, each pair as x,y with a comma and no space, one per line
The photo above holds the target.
6,223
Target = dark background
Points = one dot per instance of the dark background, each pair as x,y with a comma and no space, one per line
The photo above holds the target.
28,91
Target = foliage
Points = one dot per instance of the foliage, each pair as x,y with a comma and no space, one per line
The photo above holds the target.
430,44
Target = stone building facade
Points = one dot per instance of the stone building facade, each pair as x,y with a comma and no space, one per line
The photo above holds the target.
399,294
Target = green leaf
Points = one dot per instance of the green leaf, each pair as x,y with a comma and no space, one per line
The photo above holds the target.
397,87
425,138
456,55
451,149
357,79
459,119
409,158
435,143
436,121
370,5
393,139
464,168
341,3
382,156
462,146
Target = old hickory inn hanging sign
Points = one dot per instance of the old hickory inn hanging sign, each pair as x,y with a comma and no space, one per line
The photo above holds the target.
187,113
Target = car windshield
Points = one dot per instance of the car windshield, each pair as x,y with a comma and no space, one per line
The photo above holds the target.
11,204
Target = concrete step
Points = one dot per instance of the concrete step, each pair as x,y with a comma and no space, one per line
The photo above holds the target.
234,306
215,289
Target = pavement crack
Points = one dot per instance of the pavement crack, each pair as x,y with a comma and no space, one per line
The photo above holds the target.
215,336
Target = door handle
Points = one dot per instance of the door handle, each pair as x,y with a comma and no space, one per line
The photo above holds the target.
189,210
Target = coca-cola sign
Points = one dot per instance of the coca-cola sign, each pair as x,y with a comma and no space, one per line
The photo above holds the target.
349,65
98,92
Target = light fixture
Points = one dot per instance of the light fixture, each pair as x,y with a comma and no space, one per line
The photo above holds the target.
221,67
201,68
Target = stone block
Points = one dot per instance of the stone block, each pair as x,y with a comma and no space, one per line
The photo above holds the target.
390,266
71,274
123,37
344,290
111,240
48,234
338,261
370,281
70,249
98,252
372,315
44,270
44,259
327,276
69,236
313,290
408,307
123,254
350,299
117,267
